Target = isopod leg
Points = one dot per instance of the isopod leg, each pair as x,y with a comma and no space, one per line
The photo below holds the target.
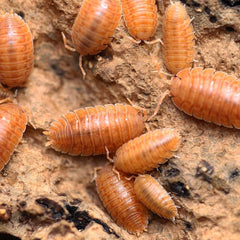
81,67
108,157
167,92
65,43
5,100
116,172
134,40
153,41
95,173
139,108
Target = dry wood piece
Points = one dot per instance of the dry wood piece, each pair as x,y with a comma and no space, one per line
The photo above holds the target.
16,51
140,17
120,200
154,196
178,38
208,95
89,131
146,152
13,121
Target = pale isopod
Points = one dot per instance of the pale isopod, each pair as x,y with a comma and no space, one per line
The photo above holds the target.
207,94
146,152
16,51
89,131
140,17
13,121
178,38
118,197
154,196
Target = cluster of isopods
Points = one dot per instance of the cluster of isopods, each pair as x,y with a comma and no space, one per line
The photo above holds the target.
206,94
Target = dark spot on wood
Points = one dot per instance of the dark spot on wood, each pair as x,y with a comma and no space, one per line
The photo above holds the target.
235,173
213,19
81,219
52,208
5,236
22,204
204,170
207,10
230,29
172,172
21,14
188,226
179,188
231,3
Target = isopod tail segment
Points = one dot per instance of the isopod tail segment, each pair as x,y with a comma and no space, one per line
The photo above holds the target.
74,50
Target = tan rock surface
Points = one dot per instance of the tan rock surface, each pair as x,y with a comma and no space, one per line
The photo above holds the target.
47,195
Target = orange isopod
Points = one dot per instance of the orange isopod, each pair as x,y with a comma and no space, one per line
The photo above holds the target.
154,196
13,121
117,195
208,95
88,131
146,152
95,25
140,17
178,38
16,51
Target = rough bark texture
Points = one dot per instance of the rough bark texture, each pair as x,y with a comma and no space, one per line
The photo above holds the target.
47,195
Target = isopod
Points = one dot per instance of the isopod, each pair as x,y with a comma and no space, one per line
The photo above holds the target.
94,26
208,95
117,195
16,51
89,131
13,121
154,196
146,152
178,38
140,17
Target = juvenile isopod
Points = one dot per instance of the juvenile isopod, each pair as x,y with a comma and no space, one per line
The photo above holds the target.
94,26
178,38
118,197
141,18
208,95
13,121
154,196
89,131
16,51
146,152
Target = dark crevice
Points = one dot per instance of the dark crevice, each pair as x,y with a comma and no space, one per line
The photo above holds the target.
51,208
81,219
5,236
179,188
231,3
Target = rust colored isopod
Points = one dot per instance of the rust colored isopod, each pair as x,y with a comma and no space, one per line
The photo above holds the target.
120,200
146,152
140,17
208,95
16,51
154,196
88,131
95,25
13,121
178,38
